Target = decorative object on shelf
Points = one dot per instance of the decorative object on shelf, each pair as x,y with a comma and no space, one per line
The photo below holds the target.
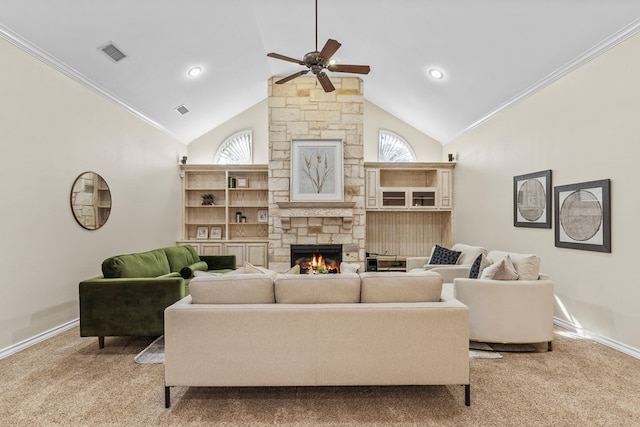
450,157
317,170
202,233
532,200
263,215
242,182
90,200
216,233
583,216
243,219
208,199
232,182
238,216
184,160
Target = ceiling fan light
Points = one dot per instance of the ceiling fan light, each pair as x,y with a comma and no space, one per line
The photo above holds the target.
436,74
194,71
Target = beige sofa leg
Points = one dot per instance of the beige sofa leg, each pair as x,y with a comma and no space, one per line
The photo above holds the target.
100,342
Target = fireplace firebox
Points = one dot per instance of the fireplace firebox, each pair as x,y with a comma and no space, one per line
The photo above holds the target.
314,259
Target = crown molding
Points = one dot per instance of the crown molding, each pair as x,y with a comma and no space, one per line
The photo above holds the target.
72,73
556,75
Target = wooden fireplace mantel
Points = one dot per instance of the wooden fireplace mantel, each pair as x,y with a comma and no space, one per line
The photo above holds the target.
342,210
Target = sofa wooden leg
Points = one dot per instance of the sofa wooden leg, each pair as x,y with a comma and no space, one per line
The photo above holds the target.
467,394
550,346
100,342
167,396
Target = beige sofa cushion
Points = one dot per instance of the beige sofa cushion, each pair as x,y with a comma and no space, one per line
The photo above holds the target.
420,286
252,288
469,253
317,288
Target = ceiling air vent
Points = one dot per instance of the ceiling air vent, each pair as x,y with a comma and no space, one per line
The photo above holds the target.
112,52
182,110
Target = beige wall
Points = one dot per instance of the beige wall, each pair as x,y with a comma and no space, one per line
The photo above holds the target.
51,130
202,150
584,127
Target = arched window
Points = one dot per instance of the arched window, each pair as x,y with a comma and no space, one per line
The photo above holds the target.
393,148
237,149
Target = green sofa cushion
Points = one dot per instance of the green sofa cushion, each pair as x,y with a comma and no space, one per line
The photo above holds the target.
181,256
144,264
187,272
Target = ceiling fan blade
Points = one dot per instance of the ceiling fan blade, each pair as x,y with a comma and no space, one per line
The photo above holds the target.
325,82
344,68
285,58
292,76
330,47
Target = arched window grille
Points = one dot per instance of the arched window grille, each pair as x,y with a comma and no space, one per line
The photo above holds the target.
394,148
237,149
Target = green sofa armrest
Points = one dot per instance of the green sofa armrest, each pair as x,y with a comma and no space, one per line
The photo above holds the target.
127,306
219,262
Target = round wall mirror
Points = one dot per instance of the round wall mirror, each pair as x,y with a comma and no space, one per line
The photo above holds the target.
90,200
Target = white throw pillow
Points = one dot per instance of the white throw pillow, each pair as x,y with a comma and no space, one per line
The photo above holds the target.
527,266
501,270
345,267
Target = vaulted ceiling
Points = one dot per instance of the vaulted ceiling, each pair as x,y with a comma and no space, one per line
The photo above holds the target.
492,52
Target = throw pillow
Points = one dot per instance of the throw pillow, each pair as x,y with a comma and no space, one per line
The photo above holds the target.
527,266
345,267
501,270
444,256
478,266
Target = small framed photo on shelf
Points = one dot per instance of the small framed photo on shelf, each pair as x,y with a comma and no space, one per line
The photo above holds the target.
263,215
202,233
216,233
242,182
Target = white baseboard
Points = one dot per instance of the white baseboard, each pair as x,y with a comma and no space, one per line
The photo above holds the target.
38,338
634,352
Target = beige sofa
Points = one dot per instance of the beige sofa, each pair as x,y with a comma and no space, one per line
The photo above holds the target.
509,311
323,330
468,255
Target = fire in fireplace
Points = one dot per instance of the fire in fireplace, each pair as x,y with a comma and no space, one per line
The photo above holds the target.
317,259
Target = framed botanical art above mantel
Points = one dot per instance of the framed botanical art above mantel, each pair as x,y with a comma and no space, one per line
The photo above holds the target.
583,216
317,171
532,200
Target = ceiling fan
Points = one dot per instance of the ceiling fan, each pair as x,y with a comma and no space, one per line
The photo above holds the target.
317,61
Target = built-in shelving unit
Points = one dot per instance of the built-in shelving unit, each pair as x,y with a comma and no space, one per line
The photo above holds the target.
237,221
409,207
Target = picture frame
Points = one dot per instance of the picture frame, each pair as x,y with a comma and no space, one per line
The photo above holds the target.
202,233
583,216
532,200
263,215
317,170
242,182
215,232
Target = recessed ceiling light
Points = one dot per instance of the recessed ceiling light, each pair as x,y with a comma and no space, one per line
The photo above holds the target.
436,74
194,72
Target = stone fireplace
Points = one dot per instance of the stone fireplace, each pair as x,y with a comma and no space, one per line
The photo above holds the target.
301,110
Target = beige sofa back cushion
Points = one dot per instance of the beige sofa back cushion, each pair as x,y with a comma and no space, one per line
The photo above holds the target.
254,288
318,288
421,286
469,253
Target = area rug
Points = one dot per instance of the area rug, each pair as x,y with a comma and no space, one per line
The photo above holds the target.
154,353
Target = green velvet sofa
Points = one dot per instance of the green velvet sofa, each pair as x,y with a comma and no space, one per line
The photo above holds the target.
130,297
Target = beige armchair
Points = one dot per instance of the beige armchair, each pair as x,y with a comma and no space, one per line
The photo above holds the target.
508,311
